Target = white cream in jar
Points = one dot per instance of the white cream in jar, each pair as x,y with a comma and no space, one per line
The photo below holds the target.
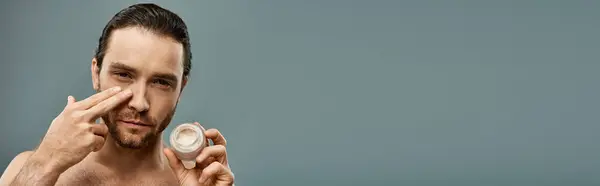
187,140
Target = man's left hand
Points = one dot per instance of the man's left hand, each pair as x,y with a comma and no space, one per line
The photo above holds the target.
211,168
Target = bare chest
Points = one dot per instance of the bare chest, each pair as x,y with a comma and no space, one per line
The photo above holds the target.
100,177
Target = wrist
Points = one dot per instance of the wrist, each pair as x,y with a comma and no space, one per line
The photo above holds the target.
46,164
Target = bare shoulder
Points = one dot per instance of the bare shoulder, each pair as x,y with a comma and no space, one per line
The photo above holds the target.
14,167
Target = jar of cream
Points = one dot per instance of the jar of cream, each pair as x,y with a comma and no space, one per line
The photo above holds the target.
187,140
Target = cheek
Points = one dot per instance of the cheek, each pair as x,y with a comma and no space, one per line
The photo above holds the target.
163,105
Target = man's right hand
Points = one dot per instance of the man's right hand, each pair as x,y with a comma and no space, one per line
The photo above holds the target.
74,133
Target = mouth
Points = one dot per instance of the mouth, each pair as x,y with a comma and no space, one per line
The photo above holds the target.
133,123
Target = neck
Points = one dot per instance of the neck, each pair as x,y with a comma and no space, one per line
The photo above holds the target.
125,159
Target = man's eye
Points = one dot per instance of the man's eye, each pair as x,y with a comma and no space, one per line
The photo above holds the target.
122,75
162,82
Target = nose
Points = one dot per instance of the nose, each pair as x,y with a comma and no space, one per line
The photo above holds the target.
138,101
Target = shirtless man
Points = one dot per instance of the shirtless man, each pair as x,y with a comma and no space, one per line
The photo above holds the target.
139,71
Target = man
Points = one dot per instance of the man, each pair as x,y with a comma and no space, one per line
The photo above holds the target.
139,70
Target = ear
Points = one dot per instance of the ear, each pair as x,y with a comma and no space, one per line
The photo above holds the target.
183,83
95,74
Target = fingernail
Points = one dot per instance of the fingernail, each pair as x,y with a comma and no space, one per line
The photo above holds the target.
127,92
116,89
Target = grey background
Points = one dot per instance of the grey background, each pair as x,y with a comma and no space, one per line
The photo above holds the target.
341,92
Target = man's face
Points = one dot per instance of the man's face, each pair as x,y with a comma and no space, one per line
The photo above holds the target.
151,66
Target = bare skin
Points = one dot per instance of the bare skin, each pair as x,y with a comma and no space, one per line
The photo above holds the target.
146,73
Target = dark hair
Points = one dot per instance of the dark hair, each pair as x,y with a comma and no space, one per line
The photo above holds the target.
153,18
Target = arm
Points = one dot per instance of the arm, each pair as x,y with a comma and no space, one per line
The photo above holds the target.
28,169
72,135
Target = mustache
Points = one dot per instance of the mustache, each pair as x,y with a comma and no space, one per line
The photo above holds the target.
131,115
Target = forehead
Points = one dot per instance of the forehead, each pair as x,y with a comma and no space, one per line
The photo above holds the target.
145,51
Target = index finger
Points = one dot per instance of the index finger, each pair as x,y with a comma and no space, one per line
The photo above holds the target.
98,97
216,137
107,105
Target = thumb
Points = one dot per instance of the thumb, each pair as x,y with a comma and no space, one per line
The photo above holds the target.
174,162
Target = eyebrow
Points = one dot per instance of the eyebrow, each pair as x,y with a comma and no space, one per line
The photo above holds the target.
166,76
121,66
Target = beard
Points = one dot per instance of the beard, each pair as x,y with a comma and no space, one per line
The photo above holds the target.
134,138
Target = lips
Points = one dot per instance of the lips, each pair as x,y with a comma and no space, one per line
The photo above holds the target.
135,122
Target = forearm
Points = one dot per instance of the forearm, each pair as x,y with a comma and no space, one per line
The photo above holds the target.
37,171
